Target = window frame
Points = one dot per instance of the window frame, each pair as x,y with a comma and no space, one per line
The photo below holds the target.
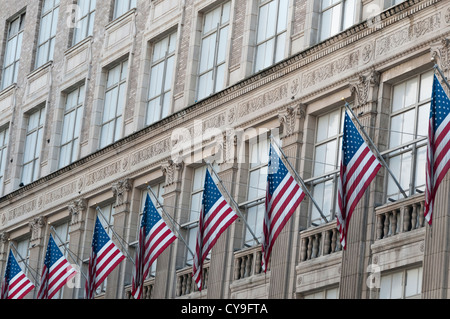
413,146
120,104
116,13
404,283
79,18
18,44
35,171
342,18
216,64
78,108
167,73
4,143
277,34
49,38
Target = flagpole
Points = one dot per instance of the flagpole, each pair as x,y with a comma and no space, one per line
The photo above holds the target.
376,149
170,219
235,204
29,268
68,250
305,189
115,234
436,67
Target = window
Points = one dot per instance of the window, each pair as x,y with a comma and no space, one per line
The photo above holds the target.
391,3
161,78
122,6
23,256
158,189
331,293
327,153
198,182
402,285
12,53
212,70
410,109
73,115
47,33
336,16
4,137
85,16
257,185
272,32
115,95
62,240
33,143
107,220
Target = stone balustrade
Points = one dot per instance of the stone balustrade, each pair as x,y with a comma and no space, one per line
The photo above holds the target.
186,283
400,217
147,291
319,241
247,262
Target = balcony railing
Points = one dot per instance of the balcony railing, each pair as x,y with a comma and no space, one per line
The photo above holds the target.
186,283
400,217
319,241
247,262
149,284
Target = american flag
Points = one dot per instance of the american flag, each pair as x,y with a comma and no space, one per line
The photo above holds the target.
105,256
15,284
215,216
154,238
283,196
56,271
359,167
438,149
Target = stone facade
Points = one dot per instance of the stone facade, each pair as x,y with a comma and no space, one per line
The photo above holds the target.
384,46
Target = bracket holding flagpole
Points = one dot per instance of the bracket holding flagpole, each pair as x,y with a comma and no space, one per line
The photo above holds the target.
436,67
99,211
380,157
234,203
305,189
170,219
74,257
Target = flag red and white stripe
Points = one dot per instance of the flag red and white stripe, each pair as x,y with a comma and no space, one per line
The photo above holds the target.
105,256
438,146
359,167
283,196
215,216
56,272
154,238
15,285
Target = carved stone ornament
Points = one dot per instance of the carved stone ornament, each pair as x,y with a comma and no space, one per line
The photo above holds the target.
120,189
172,171
440,54
37,227
4,238
362,86
290,117
76,208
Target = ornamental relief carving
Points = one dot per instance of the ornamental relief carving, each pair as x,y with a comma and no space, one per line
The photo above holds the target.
76,209
37,227
407,34
120,190
440,53
362,86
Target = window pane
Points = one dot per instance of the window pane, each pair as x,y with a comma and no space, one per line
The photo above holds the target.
426,85
397,285
349,14
412,282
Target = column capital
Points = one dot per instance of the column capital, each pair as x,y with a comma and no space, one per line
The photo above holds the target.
121,190
37,226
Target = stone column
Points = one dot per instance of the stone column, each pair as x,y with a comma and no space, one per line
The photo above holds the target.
286,247
37,250
362,227
77,211
165,280
436,259
122,192
4,251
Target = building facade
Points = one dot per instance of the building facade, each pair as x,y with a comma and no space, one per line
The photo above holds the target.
100,100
